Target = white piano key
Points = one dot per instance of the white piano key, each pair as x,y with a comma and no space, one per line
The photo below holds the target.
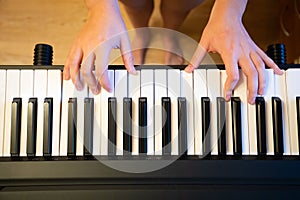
268,94
293,90
160,86
12,90
26,92
2,108
280,91
214,91
147,90
97,123
174,93
54,91
80,95
104,115
67,92
252,129
120,93
40,92
200,90
241,91
229,137
188,93
134,93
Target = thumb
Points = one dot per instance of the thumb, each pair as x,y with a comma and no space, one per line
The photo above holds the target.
197,58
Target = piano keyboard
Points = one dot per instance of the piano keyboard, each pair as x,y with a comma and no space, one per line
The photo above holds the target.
158,112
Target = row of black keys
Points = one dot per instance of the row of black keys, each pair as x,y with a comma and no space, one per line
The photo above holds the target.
166,129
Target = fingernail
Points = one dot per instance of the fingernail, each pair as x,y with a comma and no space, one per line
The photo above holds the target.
96,91
189,68
251,100
65,76
109,89
261,92
133,72
228,96
78,86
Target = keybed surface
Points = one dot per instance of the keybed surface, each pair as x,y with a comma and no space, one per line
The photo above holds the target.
154,95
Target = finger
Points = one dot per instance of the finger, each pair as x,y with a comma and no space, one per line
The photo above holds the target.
252,78
105,81
126,52
260,67
232,77
101,63
198,57
269,62
88,75
75,72
73,61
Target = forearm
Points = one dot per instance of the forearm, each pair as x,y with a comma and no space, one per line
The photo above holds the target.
101,4
228,9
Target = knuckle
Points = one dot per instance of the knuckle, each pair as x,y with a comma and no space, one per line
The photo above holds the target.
98,74
85,72
252,73
234,77
252,90
262,84
262,79
260,64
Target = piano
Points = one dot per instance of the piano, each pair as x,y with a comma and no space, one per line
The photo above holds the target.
161,134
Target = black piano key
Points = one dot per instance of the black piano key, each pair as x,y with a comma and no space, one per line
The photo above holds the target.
166,128
112,126
277,126
261,126
88,126
16,110
206,130
298,118
236,125
142,125
72,129
48,126
182,126
127,126
221,125
31,127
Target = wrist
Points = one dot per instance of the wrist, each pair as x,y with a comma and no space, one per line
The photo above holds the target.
228,10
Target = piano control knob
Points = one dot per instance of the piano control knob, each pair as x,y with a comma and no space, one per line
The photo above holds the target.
277,53
43,54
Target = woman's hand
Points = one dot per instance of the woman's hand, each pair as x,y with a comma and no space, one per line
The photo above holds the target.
104,27
226,35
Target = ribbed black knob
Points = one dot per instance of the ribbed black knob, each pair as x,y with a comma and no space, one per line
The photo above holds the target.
43,54
277,53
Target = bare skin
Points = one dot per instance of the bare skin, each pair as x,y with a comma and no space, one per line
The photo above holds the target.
173,15
104,21
139,12
224,34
